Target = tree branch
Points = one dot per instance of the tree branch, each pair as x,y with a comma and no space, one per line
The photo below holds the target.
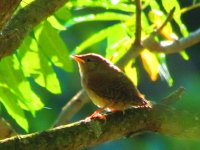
168,19
138,23
175,47
24,21
7,8
78,101
160,118
173,97
5,129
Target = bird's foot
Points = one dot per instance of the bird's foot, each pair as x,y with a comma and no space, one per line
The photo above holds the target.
95,115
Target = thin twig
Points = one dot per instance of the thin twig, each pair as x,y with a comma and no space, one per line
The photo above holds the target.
78,101
138,23
173,97
168,19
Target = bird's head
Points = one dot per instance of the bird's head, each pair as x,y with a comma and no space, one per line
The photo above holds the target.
92,63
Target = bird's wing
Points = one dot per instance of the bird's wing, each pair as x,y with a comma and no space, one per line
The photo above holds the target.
117,87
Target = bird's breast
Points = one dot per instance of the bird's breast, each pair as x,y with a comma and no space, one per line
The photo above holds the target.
97,100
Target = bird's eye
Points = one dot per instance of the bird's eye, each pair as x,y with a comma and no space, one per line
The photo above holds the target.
88,60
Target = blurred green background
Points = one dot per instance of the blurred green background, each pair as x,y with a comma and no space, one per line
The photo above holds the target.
184,73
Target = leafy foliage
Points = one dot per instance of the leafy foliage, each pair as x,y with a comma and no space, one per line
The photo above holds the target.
152,18
39,53
43,49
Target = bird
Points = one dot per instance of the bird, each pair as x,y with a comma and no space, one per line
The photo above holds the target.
107,85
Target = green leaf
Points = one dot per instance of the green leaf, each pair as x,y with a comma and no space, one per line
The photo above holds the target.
12,75
53,46
163,69
55,23
118,49
63,13
117,45
169,5
29,51
157,17
107,5
146,28
184,55
40,68
102,17
10,102
97,37
49,78
154,5
25,3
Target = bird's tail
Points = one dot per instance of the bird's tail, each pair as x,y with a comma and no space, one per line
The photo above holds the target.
144,103
147,103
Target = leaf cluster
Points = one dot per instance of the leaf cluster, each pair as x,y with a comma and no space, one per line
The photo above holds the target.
43,49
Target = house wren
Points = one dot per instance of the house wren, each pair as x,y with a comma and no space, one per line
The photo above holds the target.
106,85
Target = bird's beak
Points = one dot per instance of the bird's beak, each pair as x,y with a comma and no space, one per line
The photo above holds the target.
77,58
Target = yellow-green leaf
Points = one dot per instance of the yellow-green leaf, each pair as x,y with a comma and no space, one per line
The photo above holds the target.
169,5
9,100
157,18
107,5
131,72
55,23
53,46
184,55
40,68
97,37
12,75
150,63
25,3
102,17
163,69
63,14
115,44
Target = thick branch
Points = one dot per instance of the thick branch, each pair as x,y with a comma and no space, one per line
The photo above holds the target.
24,21
183,43
7,7
176,46
79,135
